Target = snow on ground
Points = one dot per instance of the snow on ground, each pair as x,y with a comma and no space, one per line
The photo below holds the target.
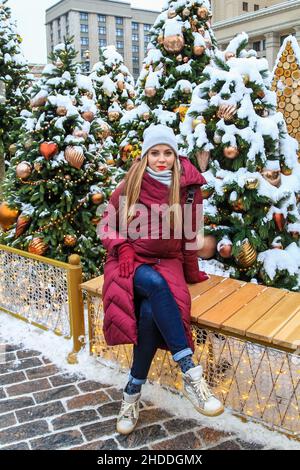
57,348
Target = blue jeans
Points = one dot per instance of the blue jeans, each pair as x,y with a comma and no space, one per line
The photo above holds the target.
159,322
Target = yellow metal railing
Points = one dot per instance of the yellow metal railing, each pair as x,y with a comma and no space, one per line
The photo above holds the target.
44,292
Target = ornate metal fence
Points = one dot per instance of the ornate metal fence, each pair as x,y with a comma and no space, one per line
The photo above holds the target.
43,292
254,381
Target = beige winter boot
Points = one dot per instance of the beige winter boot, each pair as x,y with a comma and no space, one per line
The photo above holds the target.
197,391
129,413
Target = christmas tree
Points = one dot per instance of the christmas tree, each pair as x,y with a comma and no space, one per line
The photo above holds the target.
14,81
240,142
114,86
181,45
57,179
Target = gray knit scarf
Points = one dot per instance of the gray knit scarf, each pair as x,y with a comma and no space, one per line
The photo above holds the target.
164,177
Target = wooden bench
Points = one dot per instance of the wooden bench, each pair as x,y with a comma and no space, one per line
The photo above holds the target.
247,338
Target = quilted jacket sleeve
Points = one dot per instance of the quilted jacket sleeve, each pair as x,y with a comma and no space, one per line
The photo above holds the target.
108,230
193,220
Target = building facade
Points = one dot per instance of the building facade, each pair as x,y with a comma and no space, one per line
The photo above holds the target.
267,23
98,23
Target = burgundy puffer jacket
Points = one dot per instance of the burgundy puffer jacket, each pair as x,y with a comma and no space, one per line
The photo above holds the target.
168,257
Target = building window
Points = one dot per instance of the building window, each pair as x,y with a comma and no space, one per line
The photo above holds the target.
120,32
84,28
119,20
264,45
120,44
59,34
84,16
256,7
102,42
135,37
84,41
51,27
245,6
135,60
135,48
282,38
147,39
147,27
136,72
135,26
67,30
256,46
102,30
102,18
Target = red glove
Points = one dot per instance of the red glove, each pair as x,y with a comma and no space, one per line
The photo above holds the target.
191,271
126,259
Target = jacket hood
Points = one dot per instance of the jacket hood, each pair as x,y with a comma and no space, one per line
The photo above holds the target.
190,174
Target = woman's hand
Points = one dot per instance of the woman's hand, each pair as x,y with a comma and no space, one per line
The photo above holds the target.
126,259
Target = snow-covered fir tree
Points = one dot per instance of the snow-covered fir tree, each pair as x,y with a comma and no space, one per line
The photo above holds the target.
181,45
14,81
115,94
234,133
57,179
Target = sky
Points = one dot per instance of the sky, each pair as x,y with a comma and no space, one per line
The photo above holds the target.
30,17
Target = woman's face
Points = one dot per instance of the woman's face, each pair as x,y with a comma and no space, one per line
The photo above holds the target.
161,157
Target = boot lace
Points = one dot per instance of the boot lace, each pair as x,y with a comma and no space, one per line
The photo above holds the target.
128,410
202,389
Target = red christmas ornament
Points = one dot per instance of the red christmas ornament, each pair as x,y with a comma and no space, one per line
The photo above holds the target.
48,149
279,221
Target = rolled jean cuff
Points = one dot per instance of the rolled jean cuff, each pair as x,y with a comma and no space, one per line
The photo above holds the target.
183,353
137,381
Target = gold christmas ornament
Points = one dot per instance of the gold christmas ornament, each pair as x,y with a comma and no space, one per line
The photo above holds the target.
231,152
174,44
61,111
37,166
217,138
251,183
203,157
246,78
22,224
126,151
132,94
272,176
74,157
198,121
172,13
28,144
160,39
198,50
37,246
186,12
113,115
80,133
202,13
8,216
286,171
23,170
95,220
206,192
12,149
247,255
88,116
261,94
121,85
229,55
179,58
98,198
104,131
130,107
38,101
150,92
227,112
209,247
70,240
146,116
48,149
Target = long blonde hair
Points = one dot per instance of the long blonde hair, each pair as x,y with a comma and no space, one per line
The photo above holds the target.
132,188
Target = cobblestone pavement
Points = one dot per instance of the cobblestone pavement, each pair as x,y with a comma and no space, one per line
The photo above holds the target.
43,408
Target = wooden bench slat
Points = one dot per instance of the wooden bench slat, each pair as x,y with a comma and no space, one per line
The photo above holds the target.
214,296
250,313
94,286
199,289
289,335
229,306
277,317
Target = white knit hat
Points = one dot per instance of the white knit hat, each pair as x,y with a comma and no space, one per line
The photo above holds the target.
156,135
